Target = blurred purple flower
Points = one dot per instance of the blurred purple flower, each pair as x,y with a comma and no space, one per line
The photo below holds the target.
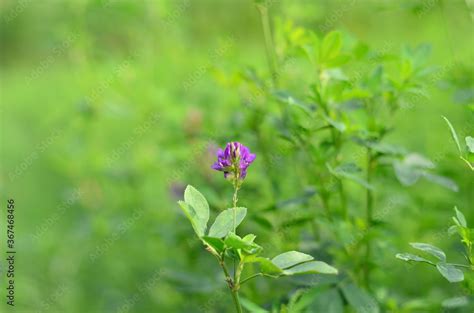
234,160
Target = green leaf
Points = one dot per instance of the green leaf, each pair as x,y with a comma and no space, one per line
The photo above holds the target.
199,203
347,173
331,46
441,180
192,217
262,221
418,161
249,238
311,50
460,217
216,243
235,242
224,222
450,272
453,229
291,258
268,267
453,134
286,98
434,251
313,267
406,175
293,301
470,143
252,307
359,299
456,302
406,69
339,60
340,126
408,257
390,149
411,168
328,301
335,74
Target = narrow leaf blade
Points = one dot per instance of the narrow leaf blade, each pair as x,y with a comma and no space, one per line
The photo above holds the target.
453,134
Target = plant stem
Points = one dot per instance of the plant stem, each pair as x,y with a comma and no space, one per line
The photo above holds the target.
234,203
460,265
235,297
234,292
251,277
369,205
267,33
469,252
343,200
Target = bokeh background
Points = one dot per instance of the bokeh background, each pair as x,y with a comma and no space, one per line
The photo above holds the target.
109,108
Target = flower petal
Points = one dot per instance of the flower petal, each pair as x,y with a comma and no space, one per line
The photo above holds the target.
216,166
251,157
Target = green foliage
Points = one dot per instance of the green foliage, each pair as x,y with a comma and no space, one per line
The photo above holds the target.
463,155
126,101
244,250
224,222
197,209
291,258
452,272
430,249
313,267
465,233
360,299
453,134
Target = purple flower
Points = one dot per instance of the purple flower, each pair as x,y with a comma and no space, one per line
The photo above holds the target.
234,160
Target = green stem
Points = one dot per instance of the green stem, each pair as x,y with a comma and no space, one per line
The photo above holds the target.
235,297
251,277
269,47
469,252
232,286
234,203
343,197
461,265
369,206
269,163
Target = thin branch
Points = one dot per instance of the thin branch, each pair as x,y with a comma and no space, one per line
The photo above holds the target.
250,277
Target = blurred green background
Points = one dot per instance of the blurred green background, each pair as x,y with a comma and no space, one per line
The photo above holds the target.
109,108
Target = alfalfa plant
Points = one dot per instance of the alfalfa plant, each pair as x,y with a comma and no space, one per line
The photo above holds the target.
451,271
221,238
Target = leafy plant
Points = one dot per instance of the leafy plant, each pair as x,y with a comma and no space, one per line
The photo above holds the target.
337,123
221,238
465,153
451,271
